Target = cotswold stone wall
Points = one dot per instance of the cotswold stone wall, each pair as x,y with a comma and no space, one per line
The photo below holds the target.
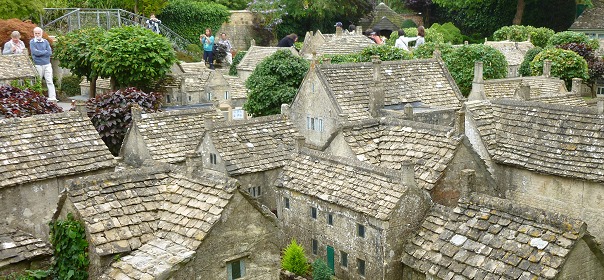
239,29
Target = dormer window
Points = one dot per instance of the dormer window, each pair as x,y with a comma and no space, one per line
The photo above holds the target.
213,158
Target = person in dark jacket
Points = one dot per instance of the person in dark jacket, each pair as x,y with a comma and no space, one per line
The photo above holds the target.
288,41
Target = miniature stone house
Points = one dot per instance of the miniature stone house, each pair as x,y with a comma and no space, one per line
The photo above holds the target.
544,154
38,155
514,53
339,43
490,238
255,55
21,251
331,94
353,215
228,93
17,67
252,151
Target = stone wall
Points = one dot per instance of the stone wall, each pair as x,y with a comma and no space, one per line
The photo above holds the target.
239,29
581,264
576,198
243,233
266,181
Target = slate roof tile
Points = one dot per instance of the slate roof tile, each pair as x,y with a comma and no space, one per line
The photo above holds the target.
514,52
345,44
539,87
17,246
591,18
169,135
256,54
510,253
49,146
16,66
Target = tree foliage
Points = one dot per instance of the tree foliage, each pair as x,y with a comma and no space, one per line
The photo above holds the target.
20,103
565,64
525,66
26,28
320,270
21,9
461,64
294,259
450,33
68,238
238,57
567,37
76,49
427,50
385,52
111,115
190,18
275,81
519,33
595,64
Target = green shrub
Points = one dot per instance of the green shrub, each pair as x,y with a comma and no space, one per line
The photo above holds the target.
450,33
21,103
392,40
540,36
343,58
565,64
320,270
408,23
514,33
70,85
68,238
29,275
461,64
431,35
238,57
427,50
567,37
386,53
195,52
294,260
190,18
525,66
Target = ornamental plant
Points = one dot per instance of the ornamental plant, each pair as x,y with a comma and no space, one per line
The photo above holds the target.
525,66
294,260
21,103
451,34
111,116
427,50
595,64
320,270
566,37
565,64
68,238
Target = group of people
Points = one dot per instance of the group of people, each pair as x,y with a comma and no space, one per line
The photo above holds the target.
402,42
40,53
210,46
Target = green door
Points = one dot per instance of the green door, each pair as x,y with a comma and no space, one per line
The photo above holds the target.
330,258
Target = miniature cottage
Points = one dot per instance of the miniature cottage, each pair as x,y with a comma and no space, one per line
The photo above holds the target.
17,67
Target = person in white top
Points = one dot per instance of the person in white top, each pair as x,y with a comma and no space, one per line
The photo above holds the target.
14,45
224,41
403,42
421,33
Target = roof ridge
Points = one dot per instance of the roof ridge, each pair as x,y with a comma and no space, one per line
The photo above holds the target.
188,111
252,121
543,105
131,175
65,114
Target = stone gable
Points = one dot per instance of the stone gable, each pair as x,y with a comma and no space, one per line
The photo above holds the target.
50,146
539,86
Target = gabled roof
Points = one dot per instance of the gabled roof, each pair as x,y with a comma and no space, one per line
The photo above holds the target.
49,146
237,86
539,85
491,238
345,44
194,67
425,81
385,24
256,54
590,19
17,66
514,52
361,187
389,142
170,135
195,76
254,145
547,138
101,83
17,246
382,10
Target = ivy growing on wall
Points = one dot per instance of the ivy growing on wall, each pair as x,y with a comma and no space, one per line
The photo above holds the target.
70,249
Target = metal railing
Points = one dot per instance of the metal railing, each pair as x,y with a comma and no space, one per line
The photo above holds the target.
59,21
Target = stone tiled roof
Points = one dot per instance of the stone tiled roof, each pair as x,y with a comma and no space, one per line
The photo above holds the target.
491,238
561,140
345,44
382,10
101,83
424,81
194,67
237,85
506,88
590,19
254,145
170,135
513,51
17,246
569,99
120,210
49,146
16,66
362,187
256,54
390,142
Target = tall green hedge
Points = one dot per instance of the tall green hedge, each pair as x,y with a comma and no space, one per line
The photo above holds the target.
190,18
565,64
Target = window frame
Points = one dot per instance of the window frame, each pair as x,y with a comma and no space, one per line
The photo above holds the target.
343,259
361,231
313,212
361,267
229,266
286,203
315,246
330,219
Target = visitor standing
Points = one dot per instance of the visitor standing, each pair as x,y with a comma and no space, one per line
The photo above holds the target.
153,23
288,41
40,53
403,42
421,33
14,45
207,41
225,41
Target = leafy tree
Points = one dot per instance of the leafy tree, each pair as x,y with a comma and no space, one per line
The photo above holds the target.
518,33
565,65
461,64
70,85
449,32
427,50
275,81
238,57
22,9
26,28
432,35
233,4
294,259
68,238
567,37
540,36
320,270
190,18
595,63
111,115
21,103
525,66
470,4
133,56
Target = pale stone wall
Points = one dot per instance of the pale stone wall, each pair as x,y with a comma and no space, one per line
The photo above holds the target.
581,264
239,29
242,233
266,180
576,198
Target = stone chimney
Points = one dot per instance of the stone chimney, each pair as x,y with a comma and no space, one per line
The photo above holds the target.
327,60
460,121
466,183
338,31
576,86
436,54
208,122
600,106
359,30
252,42
465,42
80,106
547,68
376,92
285,109
299,143
486,39
477,92
523,92
408,112
408,172
136,112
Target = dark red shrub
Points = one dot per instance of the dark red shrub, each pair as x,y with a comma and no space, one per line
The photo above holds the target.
19,103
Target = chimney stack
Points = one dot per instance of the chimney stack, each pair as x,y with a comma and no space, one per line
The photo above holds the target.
359,30
338,31
285,109
408,112
576,86
523,92
376,92
327,60
477,92
80,106
136,112
252,42
547,68
460,121
600,106
466,183
408,172
300,142
208,122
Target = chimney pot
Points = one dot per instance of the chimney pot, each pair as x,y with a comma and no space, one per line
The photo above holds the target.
408,172
408,112
460,121
80,106
285,109
576,85
338,31
300,142
600,105
523,92
208,122
136,112
547,68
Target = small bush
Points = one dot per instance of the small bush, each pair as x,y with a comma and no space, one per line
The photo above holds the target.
70,85
540,36
68,238
427,50
565,64
238,57
195,52
320,270
294,260
386,53
451,34
343,58
408,23
111,116
525,66
567,37
514,33
432,35
21,103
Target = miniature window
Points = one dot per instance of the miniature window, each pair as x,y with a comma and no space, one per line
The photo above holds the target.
361,267
226,95
313,212
601,90
213,159
313,87
235,269
190,98
330,219
254,191
308,122
168,98
209,96
315,246
343,259
361,230
320,124
286,202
